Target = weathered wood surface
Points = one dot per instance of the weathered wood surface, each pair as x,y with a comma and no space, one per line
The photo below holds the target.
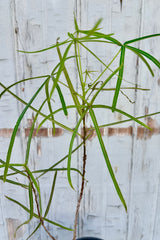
32,25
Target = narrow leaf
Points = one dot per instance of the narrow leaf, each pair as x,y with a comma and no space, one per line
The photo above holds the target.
120,77
36,216
24,80
124,121
61,67
124,113
51,194
24,223
103,84
71,146
94,120
62,100
14,183
31,133
16,129
141,38
75,23
36,110
45,49
35,184
92,31
145,61
147,55
17,171
61,160
102,35
49,104
35,230
30,200
70,85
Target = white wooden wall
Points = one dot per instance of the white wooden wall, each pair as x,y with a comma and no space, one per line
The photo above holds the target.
35,24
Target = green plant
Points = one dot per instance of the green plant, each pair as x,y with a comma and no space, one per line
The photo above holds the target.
83,101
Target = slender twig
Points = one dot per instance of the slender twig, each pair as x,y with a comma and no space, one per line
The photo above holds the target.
38,210
83,178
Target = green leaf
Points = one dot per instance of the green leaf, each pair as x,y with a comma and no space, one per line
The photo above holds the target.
15,183
17,171
92,31
93,54
144,60
12,164
24,80
120,77
36,216
31,133
94,84
122,112
51,194
71,146
147,55
126,88
95,40
26,222
62,100
36,110
36,184
94,120
31,200
79,66
58,123
56,67
49,104
35,230
103,84
48,205
31,209
75,23
55,169
124,121
61,67
33,179
45,49
16,129
108,37
70,85
61,160
141,38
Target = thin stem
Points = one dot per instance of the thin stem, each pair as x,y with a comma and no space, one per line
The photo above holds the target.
38,209
83,178
107,67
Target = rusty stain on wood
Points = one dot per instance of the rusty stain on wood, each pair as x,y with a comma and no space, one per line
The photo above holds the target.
140,132
39,149
12,224
43,132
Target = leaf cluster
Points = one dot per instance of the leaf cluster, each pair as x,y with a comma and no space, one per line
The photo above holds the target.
83,101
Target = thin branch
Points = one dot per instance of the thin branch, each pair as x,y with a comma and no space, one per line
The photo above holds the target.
38,210
83,178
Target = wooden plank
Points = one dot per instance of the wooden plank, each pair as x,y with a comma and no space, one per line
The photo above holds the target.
145,167
32,25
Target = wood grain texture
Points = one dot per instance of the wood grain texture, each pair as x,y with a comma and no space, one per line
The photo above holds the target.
32,25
